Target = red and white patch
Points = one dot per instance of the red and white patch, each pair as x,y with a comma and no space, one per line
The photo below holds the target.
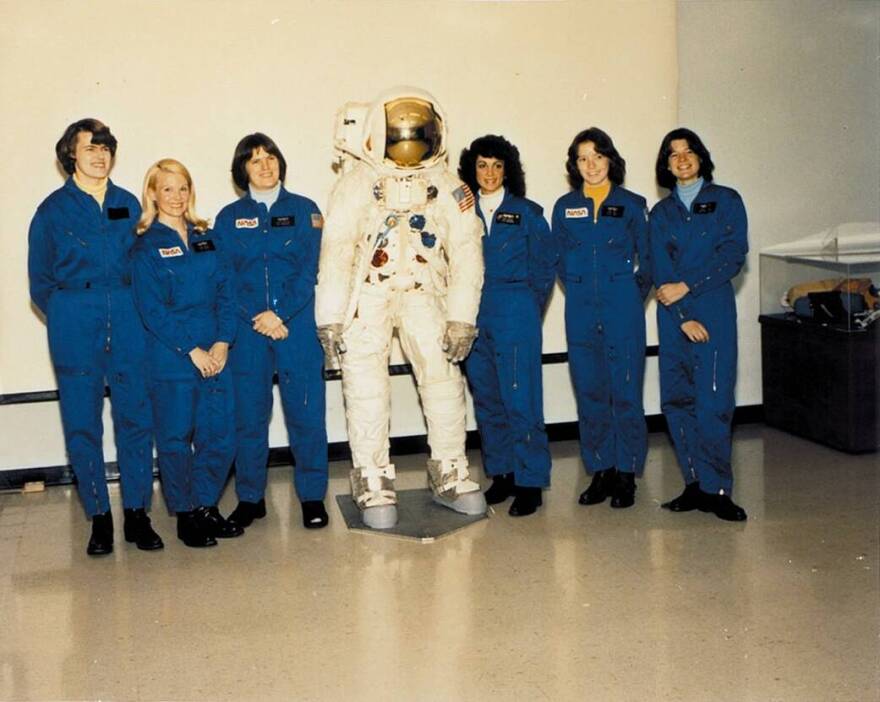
171,252
576,212
247,223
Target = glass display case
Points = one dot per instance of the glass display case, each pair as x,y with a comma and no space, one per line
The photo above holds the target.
820,337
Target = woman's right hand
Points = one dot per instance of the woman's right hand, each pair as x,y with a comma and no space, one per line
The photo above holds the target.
695,331
202,360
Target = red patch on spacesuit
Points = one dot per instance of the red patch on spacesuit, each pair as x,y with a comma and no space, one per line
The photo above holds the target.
420,259
380,258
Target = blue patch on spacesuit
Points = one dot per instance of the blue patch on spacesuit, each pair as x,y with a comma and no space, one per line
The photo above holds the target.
417,221
428,240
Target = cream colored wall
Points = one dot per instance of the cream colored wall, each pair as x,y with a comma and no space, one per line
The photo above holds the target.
188,78
786,95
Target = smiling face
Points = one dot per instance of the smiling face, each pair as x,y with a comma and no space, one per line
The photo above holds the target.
684,164
171,195
92,162
490,174
263,170
592,166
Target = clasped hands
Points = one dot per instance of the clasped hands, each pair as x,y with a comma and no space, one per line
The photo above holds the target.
210,362
669,294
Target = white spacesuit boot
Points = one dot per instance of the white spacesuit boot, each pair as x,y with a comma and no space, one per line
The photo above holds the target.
453,487
372,489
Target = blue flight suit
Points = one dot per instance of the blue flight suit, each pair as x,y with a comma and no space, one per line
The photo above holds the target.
504,367
186,299
605,322
80,276
274,254
704,247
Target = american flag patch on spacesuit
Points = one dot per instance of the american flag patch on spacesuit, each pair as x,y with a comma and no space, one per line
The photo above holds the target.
464,197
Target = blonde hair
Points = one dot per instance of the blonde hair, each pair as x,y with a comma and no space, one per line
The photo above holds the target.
167,165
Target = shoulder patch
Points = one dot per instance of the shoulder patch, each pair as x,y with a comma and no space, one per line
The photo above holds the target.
464,197
247,223
317,220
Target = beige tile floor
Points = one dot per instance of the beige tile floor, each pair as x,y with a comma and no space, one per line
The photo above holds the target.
573,603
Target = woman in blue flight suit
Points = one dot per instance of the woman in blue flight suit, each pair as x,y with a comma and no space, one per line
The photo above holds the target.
183,291
602,229
504,366
699,243
273,238
80,276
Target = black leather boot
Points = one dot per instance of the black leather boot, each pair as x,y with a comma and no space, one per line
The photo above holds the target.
500,489
601,487
314,514
687,501
722,507
624,492
139,530
525,502
214,524
191,531
101,540
246,512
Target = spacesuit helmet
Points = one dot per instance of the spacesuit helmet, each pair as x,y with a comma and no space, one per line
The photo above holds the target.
413,131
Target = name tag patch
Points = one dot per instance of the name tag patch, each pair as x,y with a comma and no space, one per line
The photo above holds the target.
171,252
117,213
283,221
576,212
507,218
246,223
705,207
203,245
317,221
612,211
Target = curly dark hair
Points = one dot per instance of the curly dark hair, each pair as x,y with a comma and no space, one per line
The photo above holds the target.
65,149
604,146
664,176
493,146
244,150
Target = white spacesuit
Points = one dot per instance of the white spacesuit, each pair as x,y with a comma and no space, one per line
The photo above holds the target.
401,249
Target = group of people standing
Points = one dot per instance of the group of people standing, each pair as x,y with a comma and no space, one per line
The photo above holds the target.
188,324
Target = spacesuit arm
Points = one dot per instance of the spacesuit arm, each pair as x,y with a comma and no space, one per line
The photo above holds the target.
730,251
147,290
639,232
662,265
338,247
543,257
302,287
40,257
464,249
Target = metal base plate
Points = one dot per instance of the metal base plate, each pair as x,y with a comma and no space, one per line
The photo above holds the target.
419,517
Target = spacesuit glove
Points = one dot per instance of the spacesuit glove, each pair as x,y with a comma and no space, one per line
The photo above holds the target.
458,340
330,336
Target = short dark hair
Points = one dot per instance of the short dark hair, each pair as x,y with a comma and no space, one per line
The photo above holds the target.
493,146
661,169
65,149
245,150
604,146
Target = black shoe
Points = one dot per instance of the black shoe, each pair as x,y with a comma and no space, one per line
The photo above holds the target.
601,487
500,489
139,530
722,507
687,501
247,512
215,525
314,514
624,492
192,532
101,540
526,501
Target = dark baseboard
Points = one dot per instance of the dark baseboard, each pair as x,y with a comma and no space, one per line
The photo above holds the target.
338,451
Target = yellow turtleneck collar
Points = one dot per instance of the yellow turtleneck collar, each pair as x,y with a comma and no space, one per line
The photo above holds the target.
96,191
597,193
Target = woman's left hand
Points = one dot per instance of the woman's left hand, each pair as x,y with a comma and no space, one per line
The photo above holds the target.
671,293
219,351
267,322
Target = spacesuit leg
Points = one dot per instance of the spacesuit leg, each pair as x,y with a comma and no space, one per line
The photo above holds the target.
367,392
441,389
